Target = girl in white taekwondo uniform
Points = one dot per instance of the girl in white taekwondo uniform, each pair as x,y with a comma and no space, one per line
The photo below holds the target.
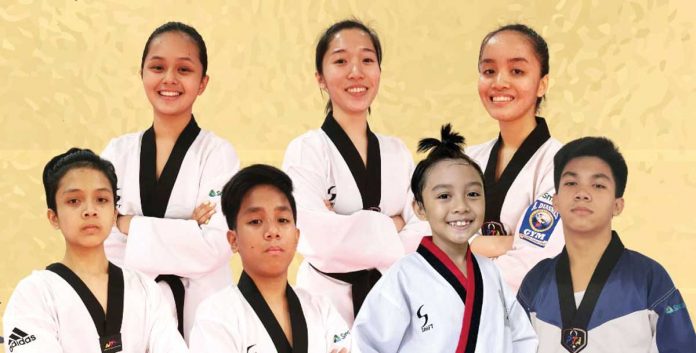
521,227
351,185
263,313
170,177
85,303
442,298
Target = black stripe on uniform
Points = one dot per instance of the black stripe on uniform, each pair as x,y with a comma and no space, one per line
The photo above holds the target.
263,311
496,190
155,194
108,325
478,305
368,177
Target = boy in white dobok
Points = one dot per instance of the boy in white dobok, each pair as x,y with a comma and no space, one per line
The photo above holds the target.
263,313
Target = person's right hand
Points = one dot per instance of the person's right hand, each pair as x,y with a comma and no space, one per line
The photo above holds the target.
203,212
343,350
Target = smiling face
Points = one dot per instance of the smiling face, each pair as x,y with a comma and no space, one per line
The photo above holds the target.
172,74
510,77
586,196
350,72
453,203
85,210
266,236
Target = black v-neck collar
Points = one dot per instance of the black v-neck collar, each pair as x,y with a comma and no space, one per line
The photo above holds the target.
367,178
263,311
496,190
108,325
576,319
155,194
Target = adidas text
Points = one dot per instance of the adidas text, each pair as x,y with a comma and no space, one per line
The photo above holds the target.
21,342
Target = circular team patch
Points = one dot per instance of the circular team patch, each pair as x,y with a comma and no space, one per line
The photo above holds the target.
541,220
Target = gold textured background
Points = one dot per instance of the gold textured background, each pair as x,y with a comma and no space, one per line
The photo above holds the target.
623,69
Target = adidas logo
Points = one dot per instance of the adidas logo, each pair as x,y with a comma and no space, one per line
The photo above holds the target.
19,338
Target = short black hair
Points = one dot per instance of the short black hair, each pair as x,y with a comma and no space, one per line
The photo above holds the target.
74,158
449,147
327,37
248,178
541,48
599,147
184,29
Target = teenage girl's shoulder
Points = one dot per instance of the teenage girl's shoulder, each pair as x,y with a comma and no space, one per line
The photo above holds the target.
480,152
550,147
126,140
211,141
211,147
121,147
394,147
307,147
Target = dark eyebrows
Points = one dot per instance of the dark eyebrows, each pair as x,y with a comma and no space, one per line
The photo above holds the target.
258,209
594,176
342,50
441,186
601,176
80,190
283,208
474,183
186,58
513,60
449,186
520,59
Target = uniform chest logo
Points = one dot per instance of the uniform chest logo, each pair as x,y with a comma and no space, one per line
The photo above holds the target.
421,315
574,339
111,344
539,221
331,193
493,228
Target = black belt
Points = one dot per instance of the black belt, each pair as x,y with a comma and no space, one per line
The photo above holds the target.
179,293
361,281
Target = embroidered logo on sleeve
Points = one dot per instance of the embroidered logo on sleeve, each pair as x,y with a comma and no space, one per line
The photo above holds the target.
214,193
340,337
19,338
674,308
539,221
424,316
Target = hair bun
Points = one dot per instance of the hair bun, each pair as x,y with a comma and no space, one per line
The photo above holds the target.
449,140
